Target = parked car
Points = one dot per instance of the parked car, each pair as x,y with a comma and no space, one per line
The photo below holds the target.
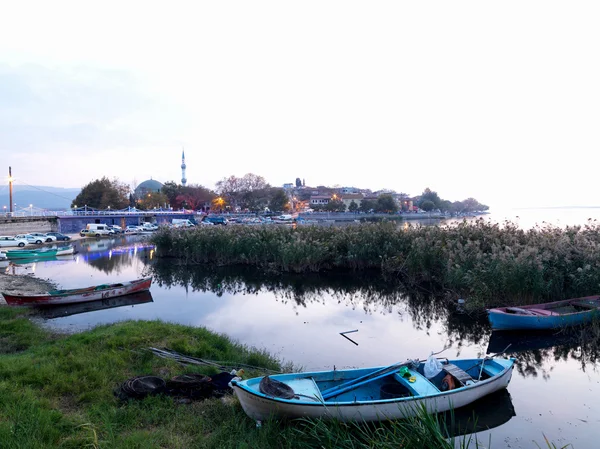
149,227
216,220
47,238
132,229
59,236
118,229
30,238
6,240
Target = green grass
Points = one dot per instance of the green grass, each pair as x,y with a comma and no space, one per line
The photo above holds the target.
491,265
56,391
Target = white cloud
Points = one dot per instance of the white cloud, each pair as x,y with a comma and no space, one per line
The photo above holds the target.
495,101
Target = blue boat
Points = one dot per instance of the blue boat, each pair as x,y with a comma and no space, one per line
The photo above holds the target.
550,315
373,394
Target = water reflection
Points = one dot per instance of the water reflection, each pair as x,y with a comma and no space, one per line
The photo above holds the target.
114,254
57,311
537,352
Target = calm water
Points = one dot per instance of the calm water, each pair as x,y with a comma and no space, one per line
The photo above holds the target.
555,389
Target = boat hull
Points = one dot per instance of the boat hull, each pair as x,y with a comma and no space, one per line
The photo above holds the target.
80,295
261,407
541,317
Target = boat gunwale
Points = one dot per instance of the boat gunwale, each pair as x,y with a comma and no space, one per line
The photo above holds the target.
80,291
496,378
544,306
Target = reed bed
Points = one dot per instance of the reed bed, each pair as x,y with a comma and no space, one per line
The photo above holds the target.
487,263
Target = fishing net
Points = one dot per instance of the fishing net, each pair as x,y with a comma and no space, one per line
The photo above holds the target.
189,386
276,389
141,386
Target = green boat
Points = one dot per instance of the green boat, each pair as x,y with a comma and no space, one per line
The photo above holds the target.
31,253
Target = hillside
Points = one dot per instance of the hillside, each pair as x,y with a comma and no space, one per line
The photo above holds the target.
41,197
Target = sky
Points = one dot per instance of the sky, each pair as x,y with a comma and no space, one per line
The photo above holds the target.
499,101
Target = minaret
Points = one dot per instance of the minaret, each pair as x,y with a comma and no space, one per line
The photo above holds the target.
183,180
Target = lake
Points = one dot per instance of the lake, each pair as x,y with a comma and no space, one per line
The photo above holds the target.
555,387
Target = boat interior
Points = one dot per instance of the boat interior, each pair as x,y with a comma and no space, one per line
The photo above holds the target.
332,387
560,308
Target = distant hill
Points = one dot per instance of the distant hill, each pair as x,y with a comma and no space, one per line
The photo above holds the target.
41,197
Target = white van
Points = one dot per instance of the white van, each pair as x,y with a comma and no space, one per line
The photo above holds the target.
98,229
182,223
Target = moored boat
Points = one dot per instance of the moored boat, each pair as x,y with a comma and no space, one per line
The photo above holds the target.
3,256
65,251
93,293
44,253
372,394
550,315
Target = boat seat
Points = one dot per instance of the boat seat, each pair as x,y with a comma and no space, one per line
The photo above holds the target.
306,388
519,311
543,312
457,373
420,387
586,304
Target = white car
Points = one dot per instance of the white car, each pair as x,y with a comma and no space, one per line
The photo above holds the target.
6,240
47,238
30,238
132,229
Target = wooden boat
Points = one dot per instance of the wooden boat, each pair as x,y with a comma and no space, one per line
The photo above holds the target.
76,295
43,253
372,394
550,315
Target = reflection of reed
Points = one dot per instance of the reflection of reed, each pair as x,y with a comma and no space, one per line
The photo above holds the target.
535,349
370,291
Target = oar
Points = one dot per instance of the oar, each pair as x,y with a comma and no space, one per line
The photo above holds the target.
387,370
356,385
378,374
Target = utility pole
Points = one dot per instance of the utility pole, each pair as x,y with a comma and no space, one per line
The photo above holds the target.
10,180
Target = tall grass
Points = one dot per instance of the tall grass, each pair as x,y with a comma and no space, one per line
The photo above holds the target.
488,263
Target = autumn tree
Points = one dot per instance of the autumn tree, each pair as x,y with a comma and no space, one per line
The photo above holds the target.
103,193
152,200
234,188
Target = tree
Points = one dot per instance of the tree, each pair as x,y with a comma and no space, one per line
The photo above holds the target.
102,194
151,200
193,197
279,201
427,205
367,205
234,188
386,203
429,195
335,205
171,190
353,207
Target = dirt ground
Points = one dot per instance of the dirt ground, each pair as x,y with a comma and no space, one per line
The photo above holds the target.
23,284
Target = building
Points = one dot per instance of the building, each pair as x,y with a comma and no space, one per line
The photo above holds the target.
319,200
348,198
183,166
146,187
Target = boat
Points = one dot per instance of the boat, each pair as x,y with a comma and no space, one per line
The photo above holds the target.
45,253
550,315
3,256
65,251
94,293
60,311
372,394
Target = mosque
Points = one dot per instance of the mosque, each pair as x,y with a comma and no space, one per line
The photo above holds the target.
152,185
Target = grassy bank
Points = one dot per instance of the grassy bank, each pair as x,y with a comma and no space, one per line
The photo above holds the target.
487,263
57,391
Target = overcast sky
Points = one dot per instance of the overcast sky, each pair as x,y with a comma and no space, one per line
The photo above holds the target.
495,100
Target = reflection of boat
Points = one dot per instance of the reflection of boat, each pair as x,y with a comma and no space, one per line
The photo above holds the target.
372,394
49,312
551,315
527,341
487,413
93,293
44,253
